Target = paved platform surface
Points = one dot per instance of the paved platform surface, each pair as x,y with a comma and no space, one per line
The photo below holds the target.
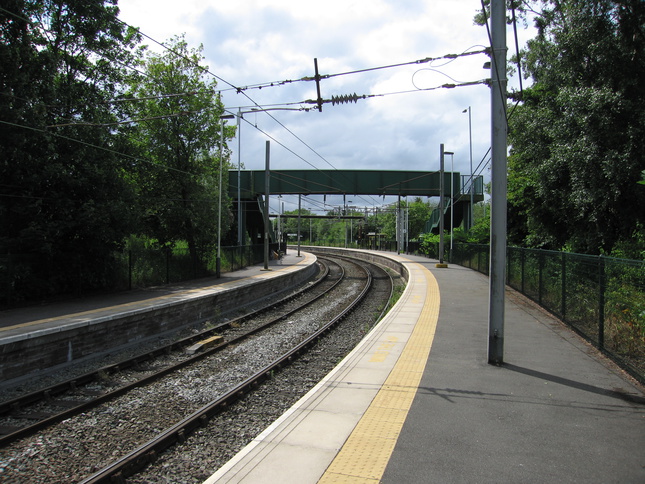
417,402
33,318
556,411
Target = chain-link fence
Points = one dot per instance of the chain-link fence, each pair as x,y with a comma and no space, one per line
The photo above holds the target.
601,298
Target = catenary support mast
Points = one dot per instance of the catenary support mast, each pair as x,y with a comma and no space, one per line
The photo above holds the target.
498,193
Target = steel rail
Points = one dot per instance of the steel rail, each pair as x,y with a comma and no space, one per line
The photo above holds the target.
13,406
146,454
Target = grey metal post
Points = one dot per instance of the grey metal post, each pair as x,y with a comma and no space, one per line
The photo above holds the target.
399,243
498,197
240,232
344,219
441,204
407,227
452,201
218,260
299,214
266,206
472,176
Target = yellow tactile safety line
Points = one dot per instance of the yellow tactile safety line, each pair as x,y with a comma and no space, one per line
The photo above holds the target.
367,451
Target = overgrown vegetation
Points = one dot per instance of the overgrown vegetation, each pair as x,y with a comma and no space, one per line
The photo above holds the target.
106,145
101,142
577,134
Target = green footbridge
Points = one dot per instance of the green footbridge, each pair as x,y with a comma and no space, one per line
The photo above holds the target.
252,190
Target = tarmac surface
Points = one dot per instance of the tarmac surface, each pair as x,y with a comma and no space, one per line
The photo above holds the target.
555,411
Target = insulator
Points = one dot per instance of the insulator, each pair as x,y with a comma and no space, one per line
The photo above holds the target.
347,98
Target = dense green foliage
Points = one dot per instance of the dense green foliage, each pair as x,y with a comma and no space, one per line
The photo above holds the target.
578,134
64,202
79,176
180,133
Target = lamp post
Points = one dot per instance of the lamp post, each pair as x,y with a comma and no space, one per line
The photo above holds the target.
218,260
239,178
441,190
299,215
452,198
278,226
472,179
239,116
351,222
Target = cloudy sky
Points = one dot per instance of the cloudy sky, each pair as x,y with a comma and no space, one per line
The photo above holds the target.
248,42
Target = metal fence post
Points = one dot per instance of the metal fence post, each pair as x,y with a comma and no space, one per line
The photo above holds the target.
522,273
601,302
563,297
167,265
540,271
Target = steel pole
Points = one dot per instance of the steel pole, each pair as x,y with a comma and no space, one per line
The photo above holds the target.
299,214
472,176
240,232
452,201
218,260
399,243
266,206
498,195
441,155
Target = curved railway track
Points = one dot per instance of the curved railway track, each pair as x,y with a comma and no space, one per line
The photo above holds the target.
150,451
30,413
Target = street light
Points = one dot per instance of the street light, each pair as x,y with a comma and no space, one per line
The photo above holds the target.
452,197
351,223
472,179
239,178
218,260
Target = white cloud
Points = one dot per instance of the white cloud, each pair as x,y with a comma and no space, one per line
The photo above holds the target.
251,41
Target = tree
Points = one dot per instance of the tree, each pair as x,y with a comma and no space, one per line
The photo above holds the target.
179,131
578,136
290,225
65,201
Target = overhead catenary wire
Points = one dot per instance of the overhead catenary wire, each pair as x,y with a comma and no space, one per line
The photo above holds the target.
206,70
240,89
452,57
160,117
126,121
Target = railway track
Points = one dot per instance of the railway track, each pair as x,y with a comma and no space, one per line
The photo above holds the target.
35,411
133,461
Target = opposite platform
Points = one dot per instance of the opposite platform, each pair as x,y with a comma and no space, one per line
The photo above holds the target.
416,401
43,337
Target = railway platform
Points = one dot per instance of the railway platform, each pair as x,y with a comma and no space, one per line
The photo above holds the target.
417,402
50,336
